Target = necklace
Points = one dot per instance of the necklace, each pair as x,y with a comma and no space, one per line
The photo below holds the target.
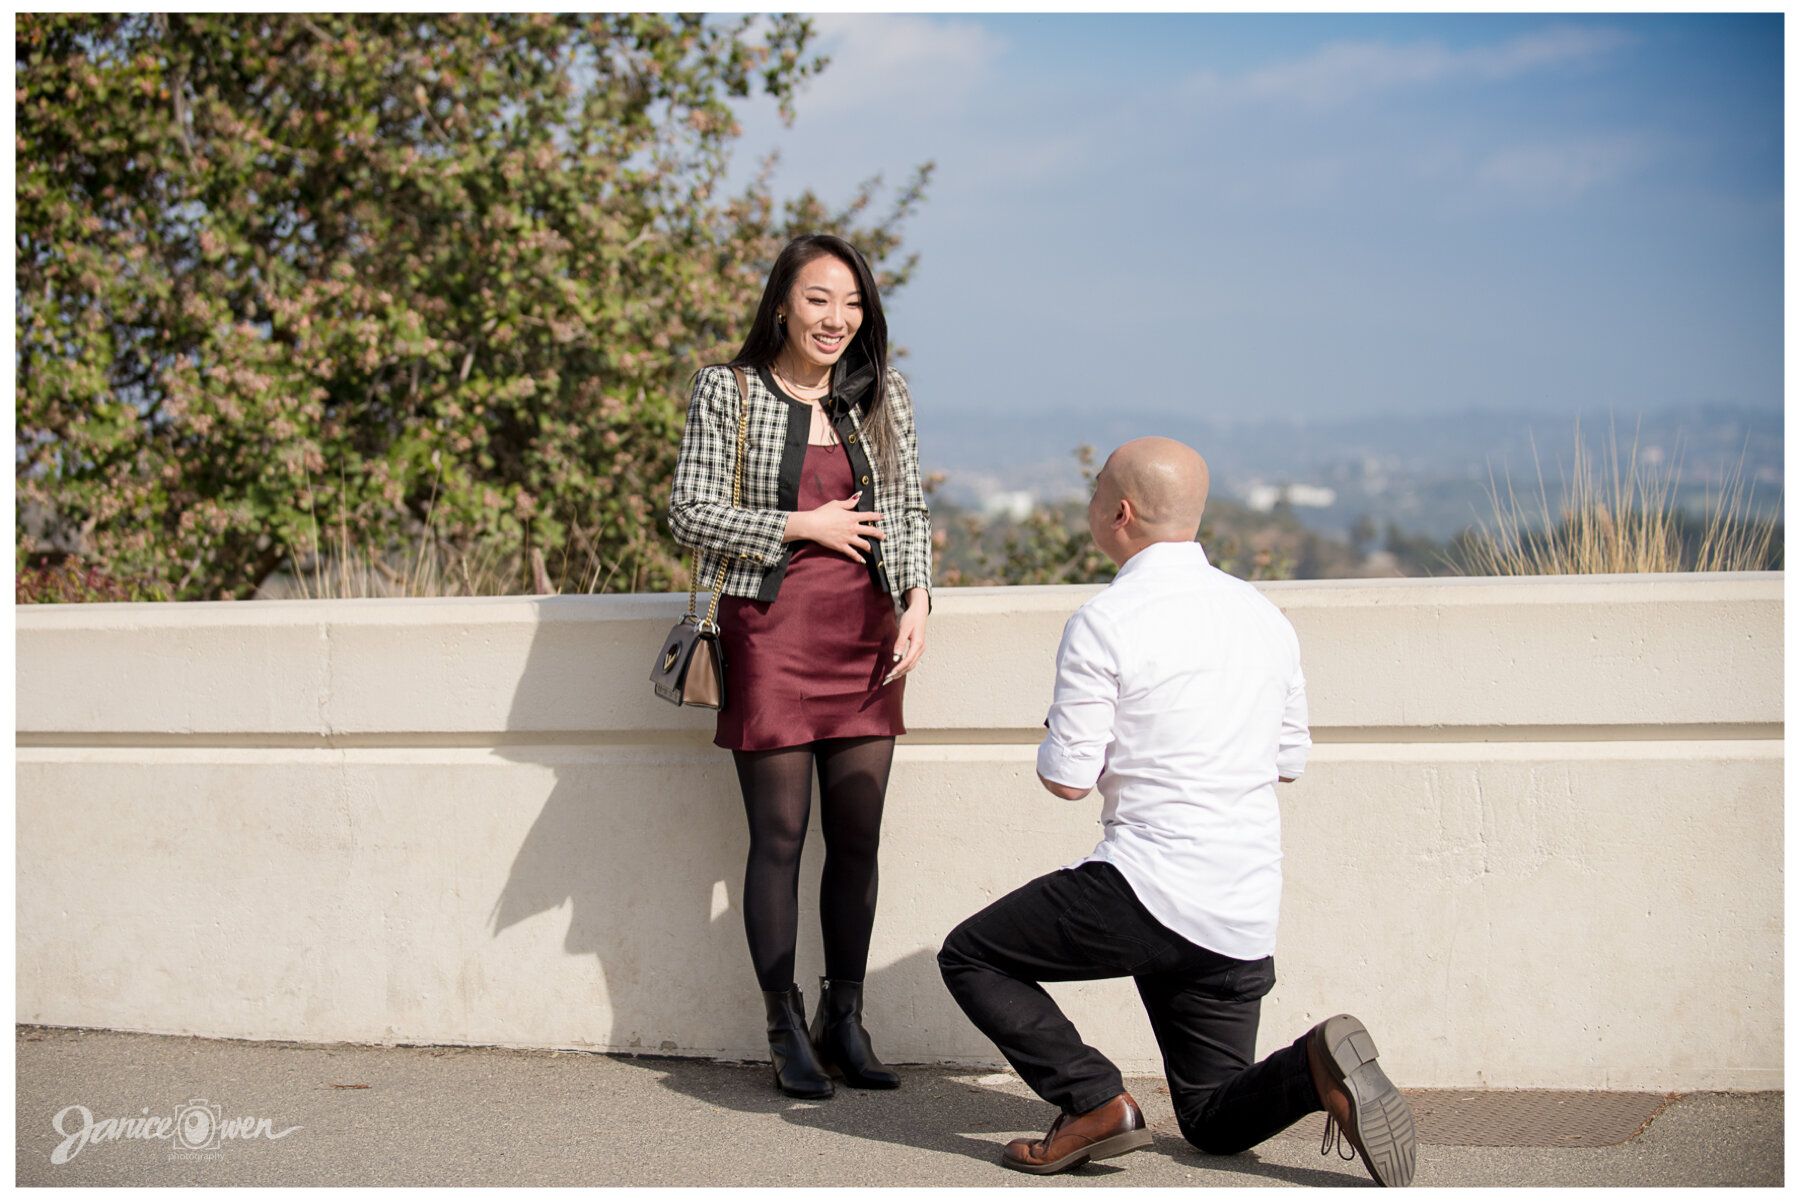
821,432
796,388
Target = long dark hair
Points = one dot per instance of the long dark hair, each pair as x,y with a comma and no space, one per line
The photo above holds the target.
767,337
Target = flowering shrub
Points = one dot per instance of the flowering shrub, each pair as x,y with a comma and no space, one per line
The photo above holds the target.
386,276
70,582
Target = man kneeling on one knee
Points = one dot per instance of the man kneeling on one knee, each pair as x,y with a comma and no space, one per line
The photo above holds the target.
1179,694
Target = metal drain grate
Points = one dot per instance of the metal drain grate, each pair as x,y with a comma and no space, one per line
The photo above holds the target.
1518,1118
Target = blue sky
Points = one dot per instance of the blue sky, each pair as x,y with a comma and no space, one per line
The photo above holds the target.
1307,216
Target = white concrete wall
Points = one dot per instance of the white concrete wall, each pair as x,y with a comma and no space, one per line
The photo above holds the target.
1539,844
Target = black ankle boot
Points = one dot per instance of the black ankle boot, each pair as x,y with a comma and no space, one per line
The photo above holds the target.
797,1069
841,1040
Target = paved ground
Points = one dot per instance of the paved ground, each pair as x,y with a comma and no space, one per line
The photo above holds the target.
424,1115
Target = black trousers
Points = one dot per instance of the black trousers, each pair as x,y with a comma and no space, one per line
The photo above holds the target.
1087,923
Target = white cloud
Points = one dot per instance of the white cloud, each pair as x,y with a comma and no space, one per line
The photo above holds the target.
1548,48
899,62
1564,171
1348,69
1345,71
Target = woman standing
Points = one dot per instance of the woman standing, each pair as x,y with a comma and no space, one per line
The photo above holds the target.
826,592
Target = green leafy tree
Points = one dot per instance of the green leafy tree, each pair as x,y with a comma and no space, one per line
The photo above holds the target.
390,276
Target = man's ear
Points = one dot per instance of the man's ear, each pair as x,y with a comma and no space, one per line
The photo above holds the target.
1125,514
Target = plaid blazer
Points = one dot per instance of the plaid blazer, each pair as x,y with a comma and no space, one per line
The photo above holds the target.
702,516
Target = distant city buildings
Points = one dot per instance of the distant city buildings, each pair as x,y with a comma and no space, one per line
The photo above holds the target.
1263,497
1431,475
1017,505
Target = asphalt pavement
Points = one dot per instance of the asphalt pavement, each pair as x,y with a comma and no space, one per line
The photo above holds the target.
103,1108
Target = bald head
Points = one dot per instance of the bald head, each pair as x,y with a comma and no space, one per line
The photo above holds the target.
1166,483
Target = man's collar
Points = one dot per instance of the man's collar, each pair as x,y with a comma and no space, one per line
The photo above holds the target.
1160,554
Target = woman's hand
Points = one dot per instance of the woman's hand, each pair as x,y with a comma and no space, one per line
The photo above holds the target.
836,525
910,645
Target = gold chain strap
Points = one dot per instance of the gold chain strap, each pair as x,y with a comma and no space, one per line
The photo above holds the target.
737,500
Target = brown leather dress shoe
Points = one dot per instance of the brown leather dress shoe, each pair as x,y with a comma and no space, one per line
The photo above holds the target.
1360,1101
1114,1128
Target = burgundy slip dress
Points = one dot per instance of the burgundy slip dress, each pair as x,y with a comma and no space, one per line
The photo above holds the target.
809,664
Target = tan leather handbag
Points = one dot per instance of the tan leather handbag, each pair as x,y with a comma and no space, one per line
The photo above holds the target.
690,667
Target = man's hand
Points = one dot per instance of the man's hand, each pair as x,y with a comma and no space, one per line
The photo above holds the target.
1063,790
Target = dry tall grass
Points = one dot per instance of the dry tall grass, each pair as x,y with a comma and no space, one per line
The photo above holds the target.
339,571
1618,518
332,567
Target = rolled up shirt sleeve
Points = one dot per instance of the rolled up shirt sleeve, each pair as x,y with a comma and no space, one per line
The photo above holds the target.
1296,740
1083,705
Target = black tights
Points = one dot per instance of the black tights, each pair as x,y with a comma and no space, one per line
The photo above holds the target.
777,786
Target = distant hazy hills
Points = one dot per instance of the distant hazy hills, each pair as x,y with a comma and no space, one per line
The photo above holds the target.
1428,474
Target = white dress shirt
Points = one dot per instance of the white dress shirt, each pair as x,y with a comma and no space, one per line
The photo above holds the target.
1179,693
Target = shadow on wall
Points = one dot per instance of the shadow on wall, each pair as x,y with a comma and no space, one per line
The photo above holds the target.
639,846
645,843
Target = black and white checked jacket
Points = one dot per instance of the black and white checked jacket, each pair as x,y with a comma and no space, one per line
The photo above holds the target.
701,514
